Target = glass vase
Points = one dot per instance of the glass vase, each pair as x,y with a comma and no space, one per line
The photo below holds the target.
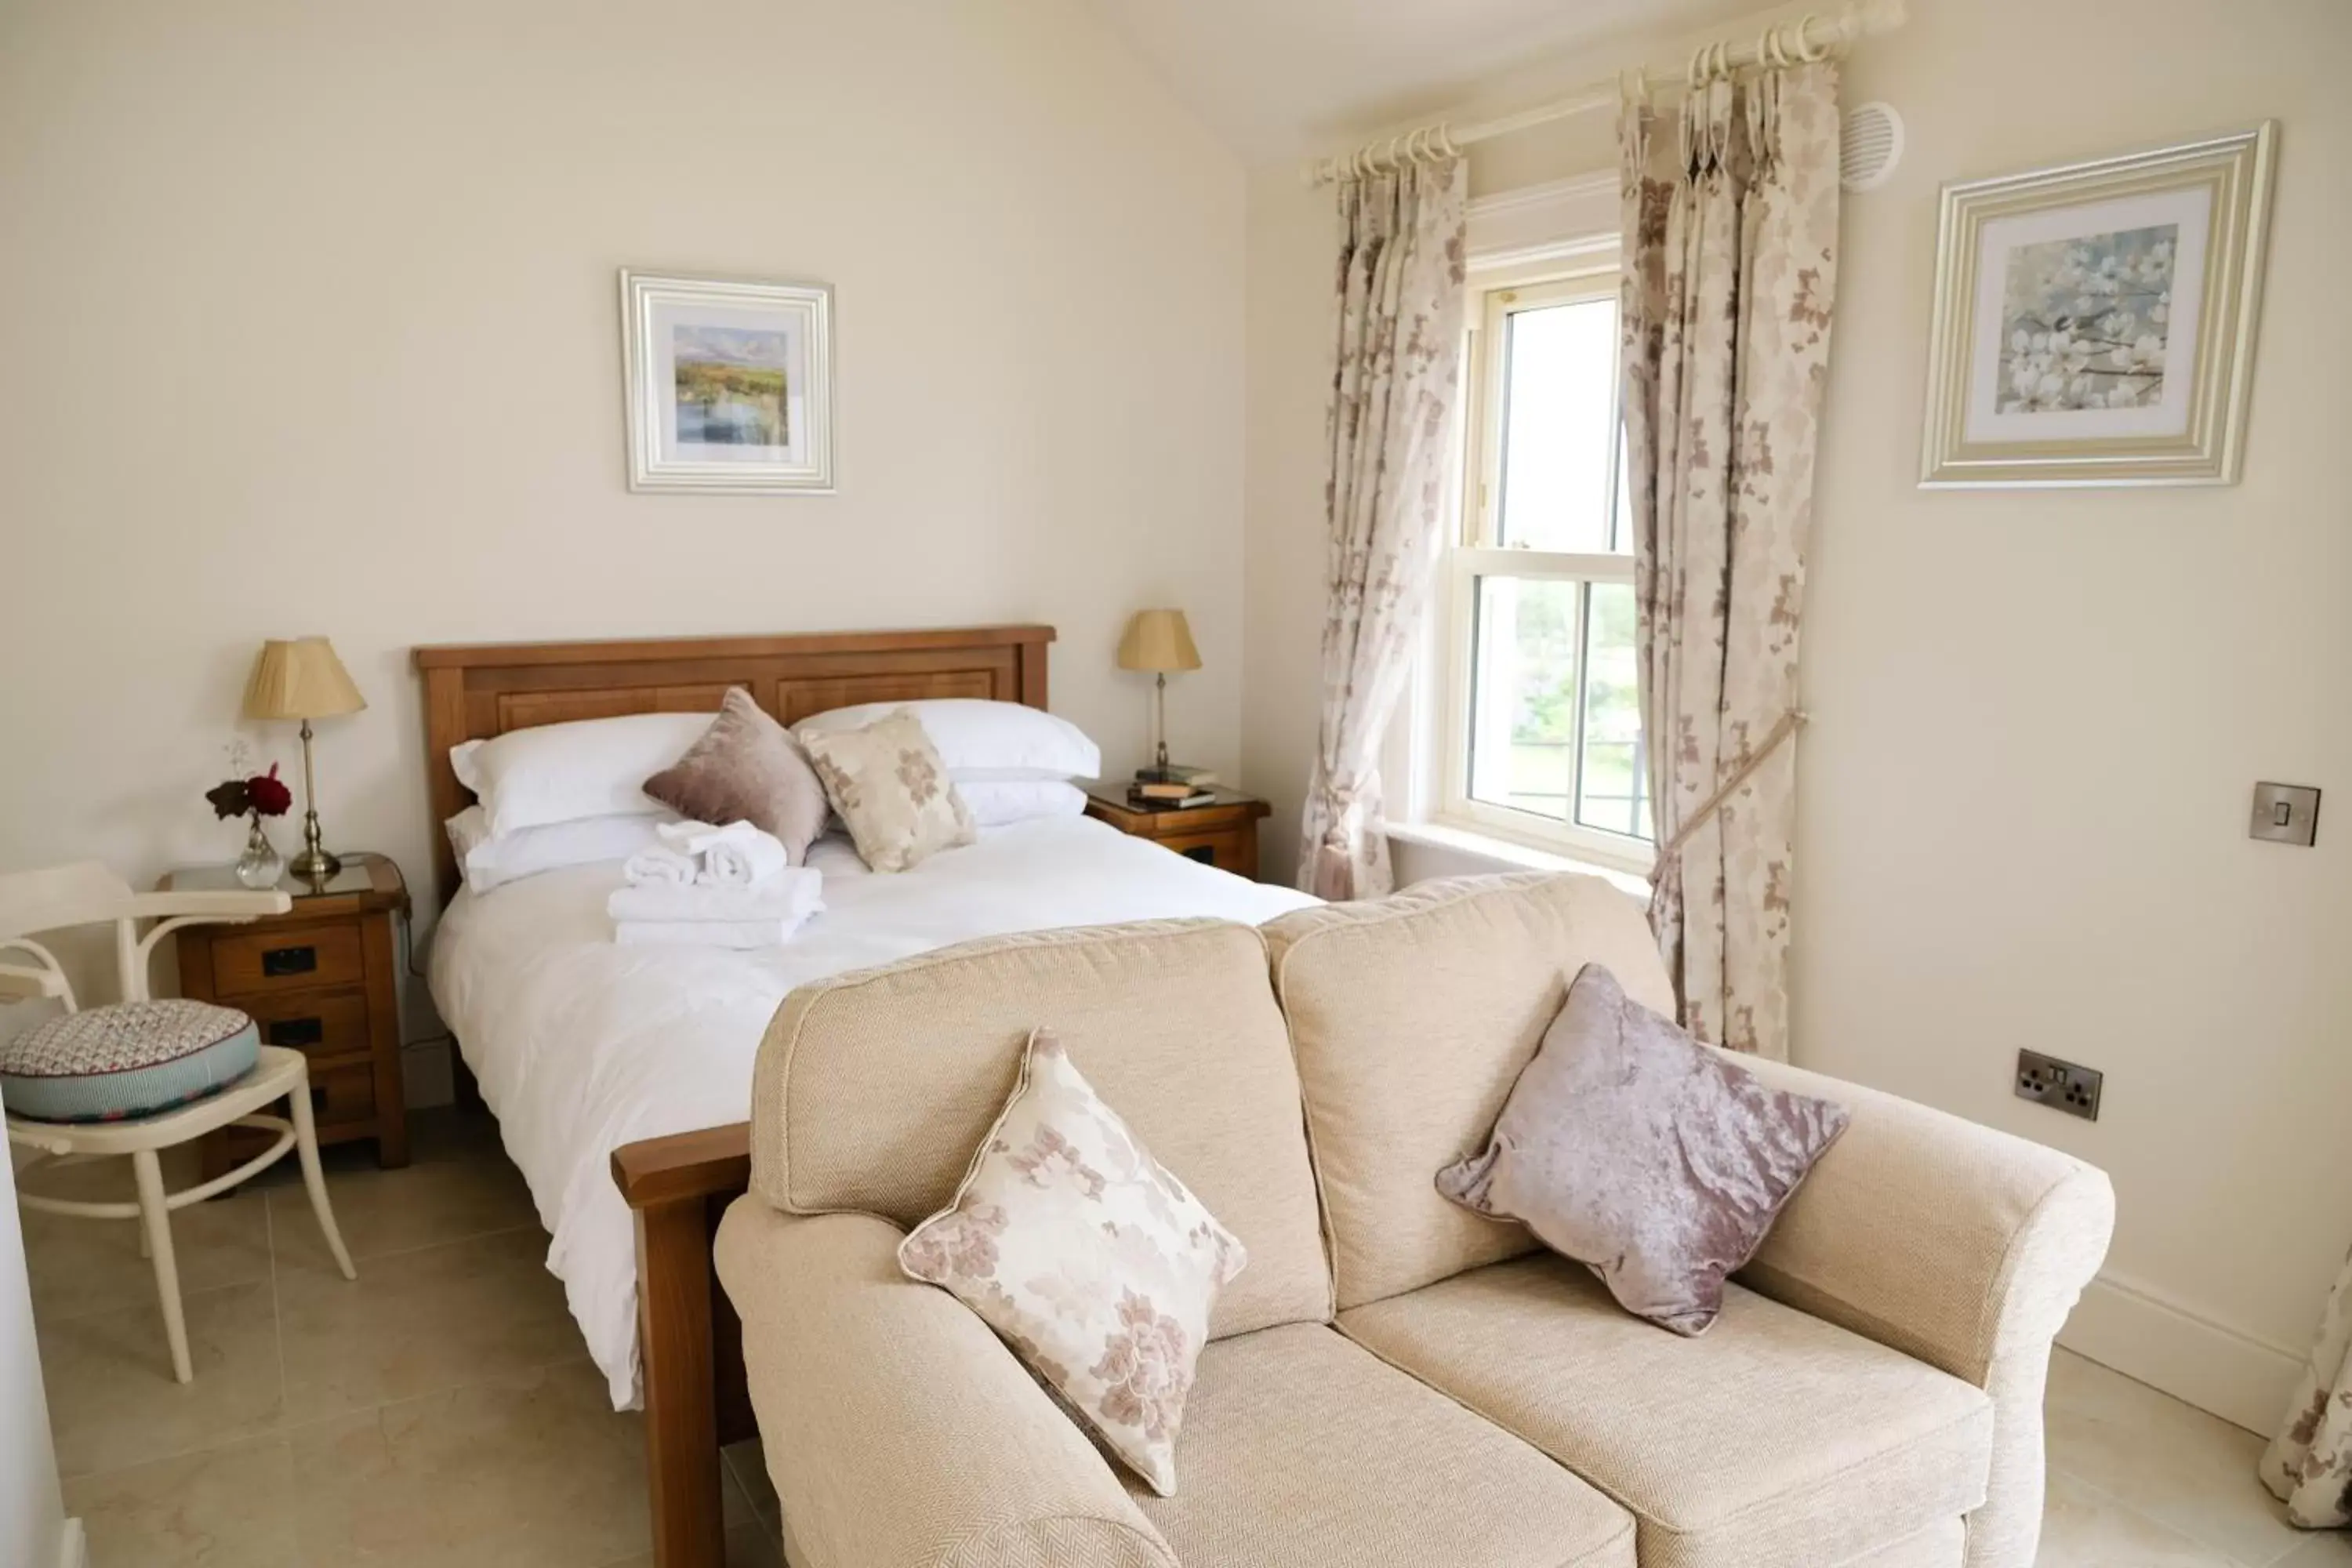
260,866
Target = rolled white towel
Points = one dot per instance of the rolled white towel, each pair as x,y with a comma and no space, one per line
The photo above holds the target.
659,866
734,856
793,894
738,934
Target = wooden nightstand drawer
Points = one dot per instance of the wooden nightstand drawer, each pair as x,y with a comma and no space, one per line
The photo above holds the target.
344,1097
1229,849
316,1023
286,958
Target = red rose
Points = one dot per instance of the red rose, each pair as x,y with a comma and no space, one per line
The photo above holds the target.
267,795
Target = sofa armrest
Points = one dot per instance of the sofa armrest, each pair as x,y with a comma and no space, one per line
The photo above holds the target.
1957,1245
1943,1239
898,1428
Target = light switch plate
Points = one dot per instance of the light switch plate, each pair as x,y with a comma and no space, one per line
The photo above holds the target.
2285,814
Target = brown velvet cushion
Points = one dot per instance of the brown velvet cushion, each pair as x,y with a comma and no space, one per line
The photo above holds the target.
1656,1161
746,768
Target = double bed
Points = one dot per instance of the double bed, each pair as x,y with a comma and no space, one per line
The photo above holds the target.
621,1075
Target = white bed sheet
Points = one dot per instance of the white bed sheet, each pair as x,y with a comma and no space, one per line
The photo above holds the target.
580,1046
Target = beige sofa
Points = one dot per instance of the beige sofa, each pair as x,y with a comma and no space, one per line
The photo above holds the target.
1391,1381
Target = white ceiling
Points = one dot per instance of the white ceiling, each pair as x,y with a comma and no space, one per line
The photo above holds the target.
1276,78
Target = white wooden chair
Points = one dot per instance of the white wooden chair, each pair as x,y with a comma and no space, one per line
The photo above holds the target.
89,894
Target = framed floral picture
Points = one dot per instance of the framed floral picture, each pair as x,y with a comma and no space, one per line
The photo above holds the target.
2094,323
728,384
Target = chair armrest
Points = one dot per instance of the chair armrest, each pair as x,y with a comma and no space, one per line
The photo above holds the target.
22,983
1948,1241
192,907
898,1428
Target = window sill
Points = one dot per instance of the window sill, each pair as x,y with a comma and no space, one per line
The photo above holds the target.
1508,856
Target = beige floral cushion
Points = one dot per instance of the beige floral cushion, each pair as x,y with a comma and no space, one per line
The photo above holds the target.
888,783
1092,1261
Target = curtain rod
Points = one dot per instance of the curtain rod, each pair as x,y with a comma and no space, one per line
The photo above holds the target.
1782,43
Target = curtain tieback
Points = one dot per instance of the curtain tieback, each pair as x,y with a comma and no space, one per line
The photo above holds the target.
1789,723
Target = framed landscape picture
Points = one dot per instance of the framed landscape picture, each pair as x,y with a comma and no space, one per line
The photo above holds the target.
728,384
2094,325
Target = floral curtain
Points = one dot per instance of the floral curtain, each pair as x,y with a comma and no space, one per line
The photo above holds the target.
2309,1463
1730,265
1393,380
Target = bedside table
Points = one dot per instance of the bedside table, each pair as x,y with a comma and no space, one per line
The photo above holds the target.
324,979
1223,834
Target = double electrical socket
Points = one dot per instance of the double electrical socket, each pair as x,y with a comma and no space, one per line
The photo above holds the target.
2060,1085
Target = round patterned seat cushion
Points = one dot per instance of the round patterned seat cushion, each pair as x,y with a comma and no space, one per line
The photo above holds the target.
133,1059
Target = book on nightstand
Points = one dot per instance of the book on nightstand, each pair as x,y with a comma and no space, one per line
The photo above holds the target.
1167,796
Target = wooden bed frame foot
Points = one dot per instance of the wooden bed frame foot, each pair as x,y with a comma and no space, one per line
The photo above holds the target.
689,1342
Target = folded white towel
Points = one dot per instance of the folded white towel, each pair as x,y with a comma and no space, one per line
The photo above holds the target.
734,856
793,894
659,866
704,934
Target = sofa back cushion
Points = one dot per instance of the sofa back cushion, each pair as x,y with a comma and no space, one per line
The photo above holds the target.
873,1088
1410,1017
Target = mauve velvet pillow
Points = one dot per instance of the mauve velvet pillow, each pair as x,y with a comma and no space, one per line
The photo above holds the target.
747,768
1656,1161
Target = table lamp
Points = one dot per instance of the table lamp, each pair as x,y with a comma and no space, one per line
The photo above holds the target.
1160,641
303,678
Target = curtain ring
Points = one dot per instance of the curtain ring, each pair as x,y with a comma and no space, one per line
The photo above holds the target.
1446,139
1691,77
1807,51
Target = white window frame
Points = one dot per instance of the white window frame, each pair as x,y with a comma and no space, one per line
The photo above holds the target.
1475,553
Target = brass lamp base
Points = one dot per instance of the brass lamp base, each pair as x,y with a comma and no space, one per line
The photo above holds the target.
313,865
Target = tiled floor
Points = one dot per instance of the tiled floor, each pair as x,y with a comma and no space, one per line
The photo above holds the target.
439,1411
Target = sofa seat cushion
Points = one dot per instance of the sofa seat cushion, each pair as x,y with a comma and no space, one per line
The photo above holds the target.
1300,1450
1774,1440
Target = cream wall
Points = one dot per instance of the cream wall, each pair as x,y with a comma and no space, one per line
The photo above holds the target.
2037,717
309,324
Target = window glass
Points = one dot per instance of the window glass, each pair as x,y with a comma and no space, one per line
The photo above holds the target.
1523,718
1559,430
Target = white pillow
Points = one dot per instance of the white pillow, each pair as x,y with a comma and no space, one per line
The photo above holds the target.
566,773
493,861
994,803
981,740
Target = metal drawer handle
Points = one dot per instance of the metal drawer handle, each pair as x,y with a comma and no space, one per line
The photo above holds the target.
280,961
297,1032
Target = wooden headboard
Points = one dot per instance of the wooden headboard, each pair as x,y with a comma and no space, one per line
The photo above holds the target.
472,693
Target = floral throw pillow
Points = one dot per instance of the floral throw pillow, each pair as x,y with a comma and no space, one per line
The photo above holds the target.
1656,1161
1087,1257
887,782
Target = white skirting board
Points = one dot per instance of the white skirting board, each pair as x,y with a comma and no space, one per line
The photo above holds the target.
73,1546
2145,1334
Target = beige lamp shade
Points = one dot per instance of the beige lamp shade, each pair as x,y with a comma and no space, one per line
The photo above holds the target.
301,679
1157,640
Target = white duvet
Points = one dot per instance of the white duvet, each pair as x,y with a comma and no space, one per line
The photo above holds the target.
580,1046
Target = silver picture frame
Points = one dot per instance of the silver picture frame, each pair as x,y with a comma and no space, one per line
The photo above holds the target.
728,383
2095,322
